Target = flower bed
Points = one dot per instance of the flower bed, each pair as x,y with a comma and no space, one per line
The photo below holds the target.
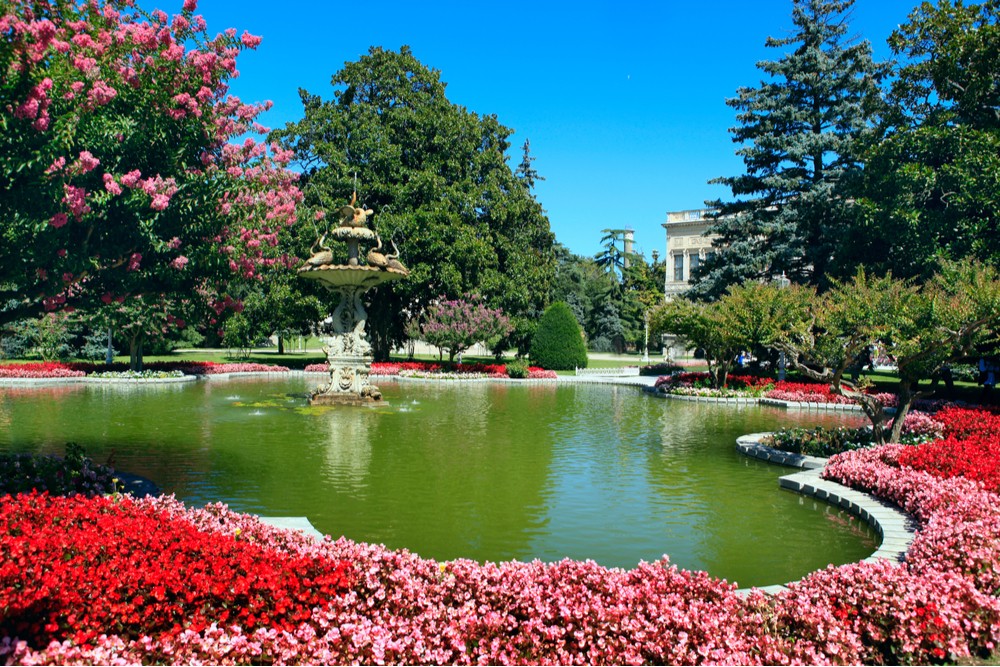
44,369
970,448
918,427
814,392
700,384
102,580
423,369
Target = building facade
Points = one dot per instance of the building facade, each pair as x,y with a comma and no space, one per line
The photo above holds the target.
687,247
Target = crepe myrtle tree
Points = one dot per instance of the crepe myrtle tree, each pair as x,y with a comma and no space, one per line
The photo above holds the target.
455,325
923,327
118,178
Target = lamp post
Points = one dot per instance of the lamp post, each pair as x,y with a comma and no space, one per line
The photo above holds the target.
645,343
783,282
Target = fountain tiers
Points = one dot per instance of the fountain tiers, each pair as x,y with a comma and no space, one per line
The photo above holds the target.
349,353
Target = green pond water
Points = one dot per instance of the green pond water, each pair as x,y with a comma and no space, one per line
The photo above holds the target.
490,472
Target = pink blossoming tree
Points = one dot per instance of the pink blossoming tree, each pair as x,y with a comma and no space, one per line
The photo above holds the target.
119,176
456,325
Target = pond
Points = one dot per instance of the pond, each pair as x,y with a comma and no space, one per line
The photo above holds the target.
465,470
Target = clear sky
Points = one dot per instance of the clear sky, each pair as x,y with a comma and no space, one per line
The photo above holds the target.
623,102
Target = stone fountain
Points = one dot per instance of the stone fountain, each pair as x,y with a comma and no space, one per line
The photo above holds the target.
349,352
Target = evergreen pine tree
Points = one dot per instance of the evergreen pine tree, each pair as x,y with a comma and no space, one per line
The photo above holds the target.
799,132
527,173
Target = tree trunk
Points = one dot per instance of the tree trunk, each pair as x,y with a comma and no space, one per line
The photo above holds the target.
135,352
281,344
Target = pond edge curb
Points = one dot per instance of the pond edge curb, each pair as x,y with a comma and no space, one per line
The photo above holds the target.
896,529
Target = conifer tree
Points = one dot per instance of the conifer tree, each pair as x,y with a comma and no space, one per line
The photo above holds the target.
525,171
799,133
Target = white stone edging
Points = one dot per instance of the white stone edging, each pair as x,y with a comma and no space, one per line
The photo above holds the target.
895,528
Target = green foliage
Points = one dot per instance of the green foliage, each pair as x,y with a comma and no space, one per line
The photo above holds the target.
931,187
557,344
607,333
820,441
798,132
924,327
748,317
239,334
73,474
437,178
48,337
517,369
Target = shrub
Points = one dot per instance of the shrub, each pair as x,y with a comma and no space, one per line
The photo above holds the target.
72,475
517,370
557,344
652,370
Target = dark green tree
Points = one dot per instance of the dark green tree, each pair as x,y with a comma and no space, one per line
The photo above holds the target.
438,179
525,171
931,188
558,343
799,132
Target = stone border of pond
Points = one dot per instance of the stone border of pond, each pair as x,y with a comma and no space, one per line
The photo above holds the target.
895,528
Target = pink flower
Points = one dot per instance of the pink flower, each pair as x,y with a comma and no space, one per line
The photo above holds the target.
61,252
160,202
101,93
250,41
87,162
76,199
58,220
134,261
130,179
111,186
106,297
320,215
179,262
56,165
190,5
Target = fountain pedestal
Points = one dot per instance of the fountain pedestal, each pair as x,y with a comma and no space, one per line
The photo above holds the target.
349,352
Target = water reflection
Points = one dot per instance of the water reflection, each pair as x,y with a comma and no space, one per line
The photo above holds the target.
347,450
483,471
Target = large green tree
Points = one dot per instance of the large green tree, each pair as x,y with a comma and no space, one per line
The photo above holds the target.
438,180
931,187
798,131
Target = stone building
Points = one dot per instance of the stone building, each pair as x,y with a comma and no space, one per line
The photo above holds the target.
687,247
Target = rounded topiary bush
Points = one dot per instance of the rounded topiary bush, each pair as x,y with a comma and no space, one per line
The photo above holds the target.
557,344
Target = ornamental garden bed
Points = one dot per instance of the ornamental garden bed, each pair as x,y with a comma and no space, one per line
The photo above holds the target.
88,578
172,370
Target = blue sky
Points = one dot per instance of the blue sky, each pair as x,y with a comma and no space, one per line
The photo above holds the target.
624,103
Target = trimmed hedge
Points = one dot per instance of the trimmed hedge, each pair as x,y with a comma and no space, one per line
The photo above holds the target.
557,344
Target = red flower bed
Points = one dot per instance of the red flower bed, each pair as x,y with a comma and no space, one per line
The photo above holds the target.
75,568
44,369
975,457
970,448
702,379
492,370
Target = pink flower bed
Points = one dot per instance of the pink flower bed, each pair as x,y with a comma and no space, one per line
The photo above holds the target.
939,605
